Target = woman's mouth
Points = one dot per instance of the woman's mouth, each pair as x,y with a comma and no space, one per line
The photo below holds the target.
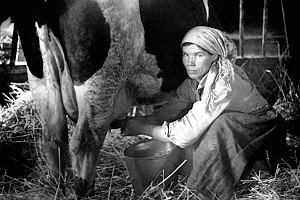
192,71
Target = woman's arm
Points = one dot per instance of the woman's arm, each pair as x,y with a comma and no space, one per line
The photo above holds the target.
146,125
179,103
185,131
152,125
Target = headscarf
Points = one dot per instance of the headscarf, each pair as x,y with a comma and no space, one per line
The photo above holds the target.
213,41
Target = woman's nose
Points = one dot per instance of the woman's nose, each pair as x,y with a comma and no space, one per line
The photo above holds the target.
192,60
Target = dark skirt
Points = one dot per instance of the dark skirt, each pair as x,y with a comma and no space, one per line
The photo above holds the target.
218,159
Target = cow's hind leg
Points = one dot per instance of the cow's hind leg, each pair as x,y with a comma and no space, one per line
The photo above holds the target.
55,144
48,101
85,145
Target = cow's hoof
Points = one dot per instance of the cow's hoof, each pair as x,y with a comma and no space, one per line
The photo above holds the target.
83,189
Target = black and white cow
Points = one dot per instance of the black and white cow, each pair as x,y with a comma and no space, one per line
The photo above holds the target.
81,55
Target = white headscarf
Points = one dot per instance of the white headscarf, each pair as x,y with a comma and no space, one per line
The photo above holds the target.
213,41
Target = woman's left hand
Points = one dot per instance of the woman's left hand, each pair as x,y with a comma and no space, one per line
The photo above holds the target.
131,127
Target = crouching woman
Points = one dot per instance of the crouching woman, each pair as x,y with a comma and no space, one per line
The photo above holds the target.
217,115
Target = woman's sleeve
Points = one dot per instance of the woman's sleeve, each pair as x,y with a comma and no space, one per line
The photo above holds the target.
185,131
178,105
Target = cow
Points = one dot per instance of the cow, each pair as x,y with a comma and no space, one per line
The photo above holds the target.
81,57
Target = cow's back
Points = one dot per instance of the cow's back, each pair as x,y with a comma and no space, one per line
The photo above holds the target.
86,34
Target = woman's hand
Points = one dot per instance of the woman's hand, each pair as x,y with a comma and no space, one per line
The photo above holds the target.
132,126
146,125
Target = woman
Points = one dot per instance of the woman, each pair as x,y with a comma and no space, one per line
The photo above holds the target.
217,115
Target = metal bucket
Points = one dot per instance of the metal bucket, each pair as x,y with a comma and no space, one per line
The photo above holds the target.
152,162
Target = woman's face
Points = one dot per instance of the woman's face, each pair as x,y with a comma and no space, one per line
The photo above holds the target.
196,60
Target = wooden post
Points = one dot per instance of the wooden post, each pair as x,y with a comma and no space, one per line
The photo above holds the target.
241,29
285,28
264,28
14,46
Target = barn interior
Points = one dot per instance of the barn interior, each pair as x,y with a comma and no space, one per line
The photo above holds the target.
266,33
259,28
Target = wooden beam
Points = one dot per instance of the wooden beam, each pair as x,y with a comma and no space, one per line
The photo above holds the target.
264,28
241,29
16,73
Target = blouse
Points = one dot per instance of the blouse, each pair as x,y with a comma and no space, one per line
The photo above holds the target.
196,104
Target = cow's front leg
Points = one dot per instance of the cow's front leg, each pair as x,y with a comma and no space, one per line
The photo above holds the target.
48,98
